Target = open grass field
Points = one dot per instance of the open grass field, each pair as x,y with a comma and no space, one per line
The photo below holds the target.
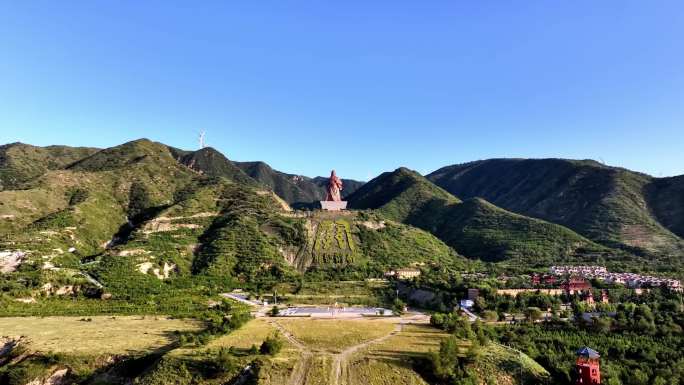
387,362
336,335
253,332
368,371
100,335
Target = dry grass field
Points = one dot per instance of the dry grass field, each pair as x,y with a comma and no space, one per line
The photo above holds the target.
336,335
387,362
252,333
100,335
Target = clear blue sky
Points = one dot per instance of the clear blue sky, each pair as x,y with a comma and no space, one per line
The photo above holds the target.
360,86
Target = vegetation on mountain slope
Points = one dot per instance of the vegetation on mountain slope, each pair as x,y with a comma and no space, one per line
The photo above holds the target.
610,205
297,190
294,189
481,230
474,228
134,225
210,162
20,163
666,199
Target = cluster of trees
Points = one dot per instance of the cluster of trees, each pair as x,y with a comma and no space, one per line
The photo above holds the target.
450,366
454,362
640,340
627,358
220,320
640,336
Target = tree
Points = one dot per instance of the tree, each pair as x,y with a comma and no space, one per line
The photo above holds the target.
398,306
274,311
602,324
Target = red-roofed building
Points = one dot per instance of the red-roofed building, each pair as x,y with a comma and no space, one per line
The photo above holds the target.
576,284
587,367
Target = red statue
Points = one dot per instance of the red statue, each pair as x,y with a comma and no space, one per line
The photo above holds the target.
334,188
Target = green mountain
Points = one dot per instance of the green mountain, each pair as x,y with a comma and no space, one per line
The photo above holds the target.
297,190
612,206
475,228
294,189
20,163
140,220
350,185
211,162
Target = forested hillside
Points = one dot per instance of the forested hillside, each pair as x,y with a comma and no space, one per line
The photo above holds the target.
612,206
19,163
475,228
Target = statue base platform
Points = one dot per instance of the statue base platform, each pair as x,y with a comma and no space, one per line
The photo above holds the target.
333,205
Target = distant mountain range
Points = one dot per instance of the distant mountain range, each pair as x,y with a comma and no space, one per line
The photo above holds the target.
218,216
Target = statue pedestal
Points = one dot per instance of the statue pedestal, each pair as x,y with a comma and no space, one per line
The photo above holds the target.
333,205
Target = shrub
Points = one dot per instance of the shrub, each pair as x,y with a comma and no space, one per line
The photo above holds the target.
271,345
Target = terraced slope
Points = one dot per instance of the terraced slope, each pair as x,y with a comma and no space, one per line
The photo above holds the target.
475,228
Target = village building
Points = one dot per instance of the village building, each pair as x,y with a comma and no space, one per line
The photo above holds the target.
575,284
405,273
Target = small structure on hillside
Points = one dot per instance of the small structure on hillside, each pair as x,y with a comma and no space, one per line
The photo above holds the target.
405,273
467,303
587,367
